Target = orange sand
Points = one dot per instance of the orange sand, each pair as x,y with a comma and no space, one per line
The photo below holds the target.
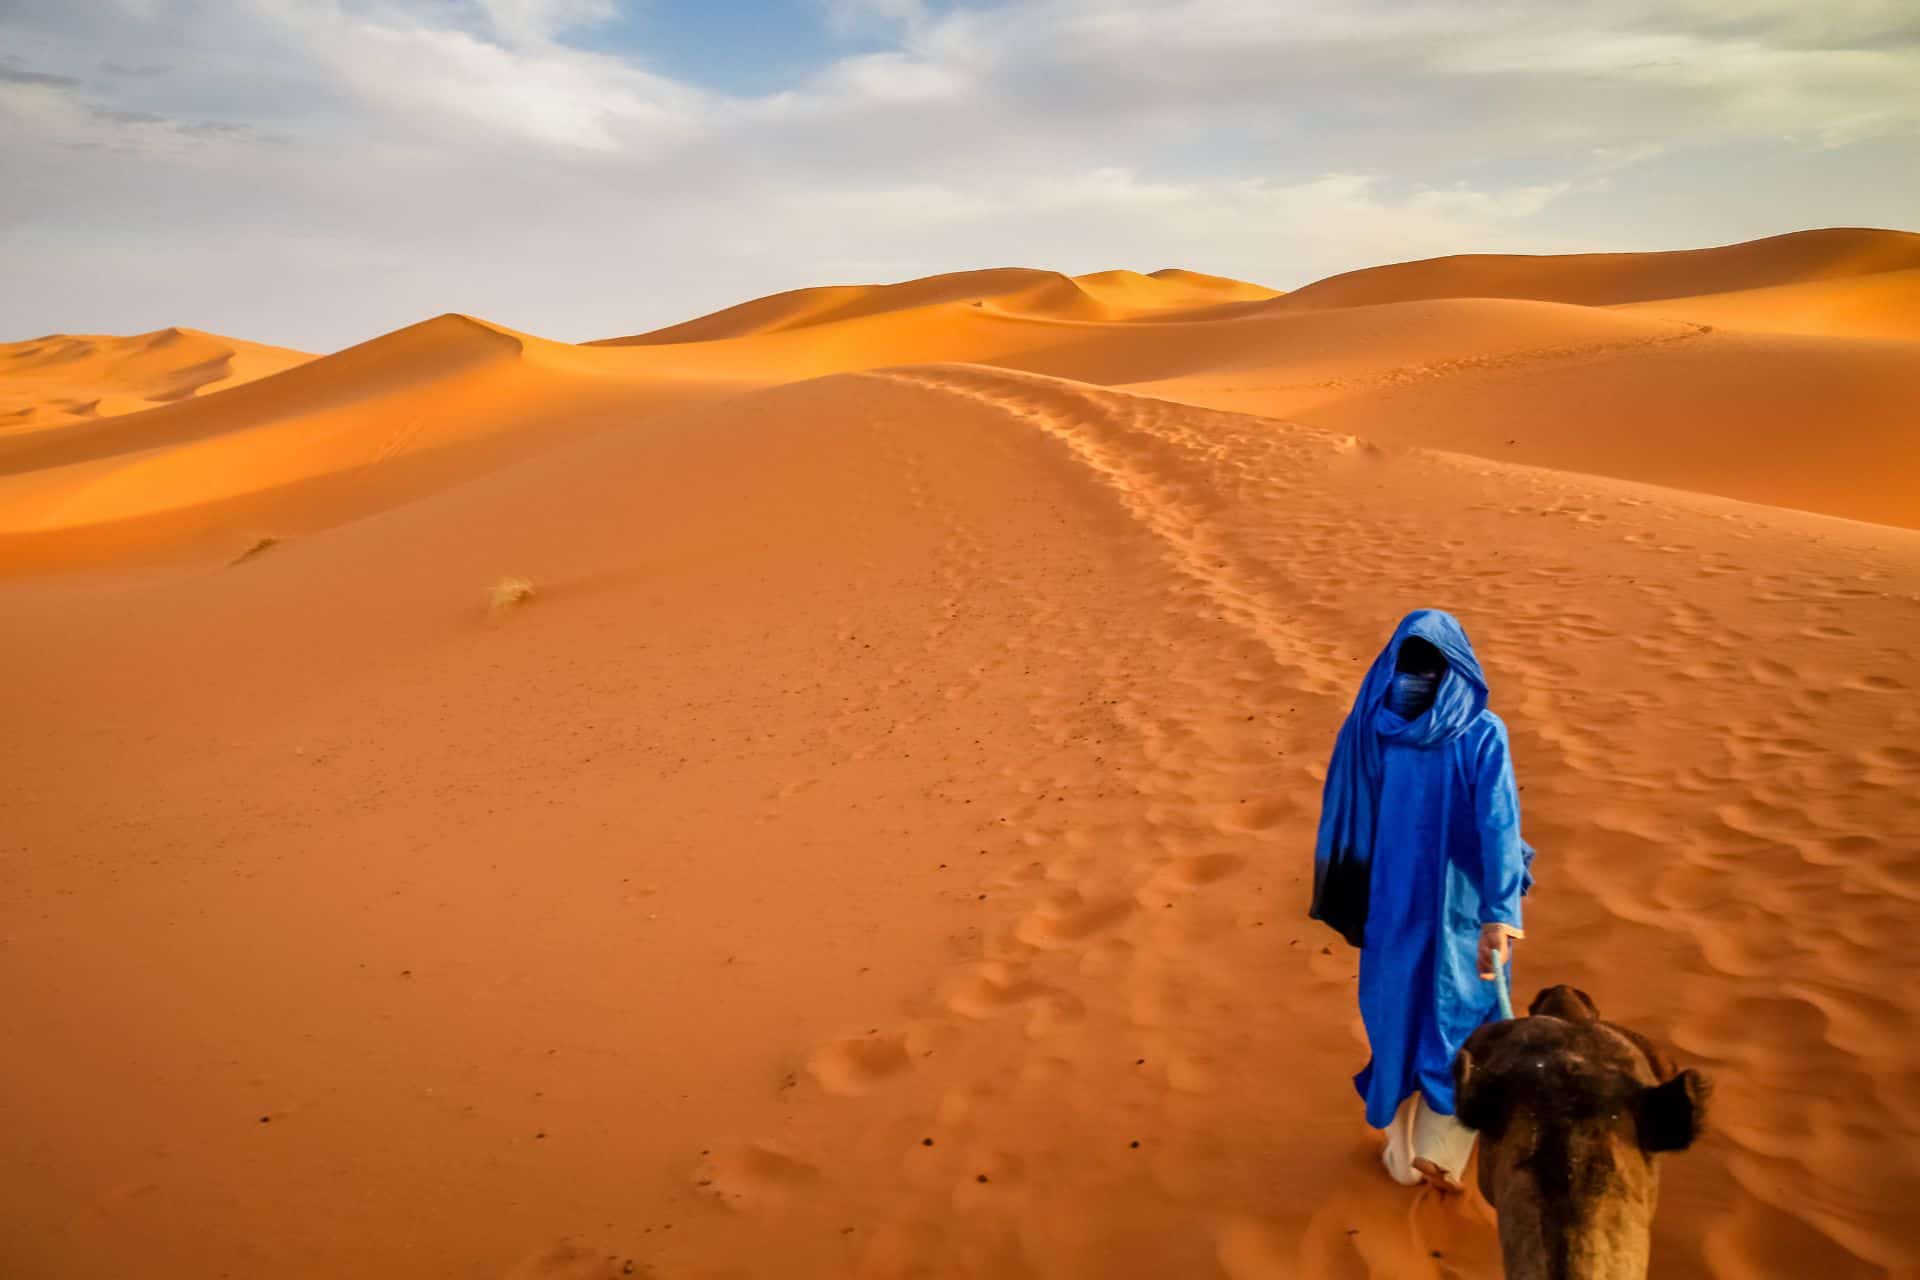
67,378
903,768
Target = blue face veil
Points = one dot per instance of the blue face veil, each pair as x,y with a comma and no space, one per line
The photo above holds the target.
1350,805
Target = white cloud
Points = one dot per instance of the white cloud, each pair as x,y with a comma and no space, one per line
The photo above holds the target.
1464,203
858,15
525,22
882,78
379,160
415,76
1745,84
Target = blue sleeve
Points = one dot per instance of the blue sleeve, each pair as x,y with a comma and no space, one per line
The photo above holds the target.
1504,856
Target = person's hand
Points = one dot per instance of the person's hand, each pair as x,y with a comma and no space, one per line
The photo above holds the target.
1496,944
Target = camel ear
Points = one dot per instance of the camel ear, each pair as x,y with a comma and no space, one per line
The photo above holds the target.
1480,1098
1672,1114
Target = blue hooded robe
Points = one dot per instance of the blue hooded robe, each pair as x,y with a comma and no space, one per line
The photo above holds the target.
1421,819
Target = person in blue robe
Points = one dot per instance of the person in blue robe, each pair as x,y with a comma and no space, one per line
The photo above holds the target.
1419,863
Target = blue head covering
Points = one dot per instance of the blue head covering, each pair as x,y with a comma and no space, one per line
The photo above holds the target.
1343,854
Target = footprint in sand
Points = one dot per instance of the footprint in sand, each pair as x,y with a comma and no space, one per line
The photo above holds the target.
1065,919
1256,815
992,988
855,1065
572,1261
1201,869
752,1175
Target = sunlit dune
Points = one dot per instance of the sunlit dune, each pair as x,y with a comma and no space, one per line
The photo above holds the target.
1710,392
828,788
1101,296
1603,279
67,377
1882,305
339,437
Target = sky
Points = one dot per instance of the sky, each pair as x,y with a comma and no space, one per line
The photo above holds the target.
316,172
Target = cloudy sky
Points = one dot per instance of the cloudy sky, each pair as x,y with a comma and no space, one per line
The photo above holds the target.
314,172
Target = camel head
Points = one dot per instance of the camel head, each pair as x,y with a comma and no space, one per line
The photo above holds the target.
1573,1113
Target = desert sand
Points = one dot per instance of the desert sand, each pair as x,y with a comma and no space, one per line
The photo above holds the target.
65,378
828,788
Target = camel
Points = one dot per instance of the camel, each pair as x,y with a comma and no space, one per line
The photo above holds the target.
1573,1113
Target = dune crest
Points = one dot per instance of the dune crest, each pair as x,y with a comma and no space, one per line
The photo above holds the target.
1099,296
1606,279
64,378
1880,305
331,439
1544,361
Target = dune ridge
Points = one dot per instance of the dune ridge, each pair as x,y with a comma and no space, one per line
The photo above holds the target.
1606,279
835,799
331,439
1102,295
1701,379
67,377
1881,305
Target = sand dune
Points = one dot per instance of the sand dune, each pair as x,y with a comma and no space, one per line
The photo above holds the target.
65,377
1603,279
1104,295
1708,392
877,845
336,438
1819,423
1884,305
